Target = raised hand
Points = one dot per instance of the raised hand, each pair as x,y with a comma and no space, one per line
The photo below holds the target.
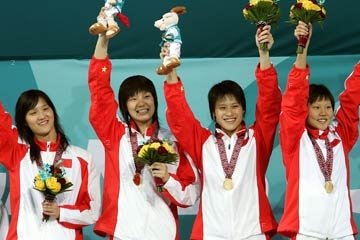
263,35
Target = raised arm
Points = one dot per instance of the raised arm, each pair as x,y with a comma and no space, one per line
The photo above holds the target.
294,104
10,150
269,97
103,108
347,114
183,124
302,29
264,36
101,48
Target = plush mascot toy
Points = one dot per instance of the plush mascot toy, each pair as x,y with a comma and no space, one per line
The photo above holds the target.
172,38
106,20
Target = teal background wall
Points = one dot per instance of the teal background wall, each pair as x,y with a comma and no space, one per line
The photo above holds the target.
66,83
211,28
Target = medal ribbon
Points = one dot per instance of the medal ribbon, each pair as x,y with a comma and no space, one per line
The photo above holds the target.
325,166
229,167
58,154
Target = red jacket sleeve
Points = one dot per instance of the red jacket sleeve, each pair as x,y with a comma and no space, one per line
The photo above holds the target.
10,150
293,111
347,114
183,188
267,112
103,108
182,122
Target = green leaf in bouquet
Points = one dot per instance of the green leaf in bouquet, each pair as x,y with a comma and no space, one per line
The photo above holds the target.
263,11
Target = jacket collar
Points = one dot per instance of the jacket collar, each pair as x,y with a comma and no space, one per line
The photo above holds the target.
46,145
153,128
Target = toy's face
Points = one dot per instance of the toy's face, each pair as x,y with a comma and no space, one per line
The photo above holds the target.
167,20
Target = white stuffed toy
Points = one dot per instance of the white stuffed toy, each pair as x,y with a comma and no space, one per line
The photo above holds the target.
106,19
171,38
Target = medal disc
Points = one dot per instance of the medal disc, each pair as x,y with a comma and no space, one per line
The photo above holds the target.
137,179
329,186
228,184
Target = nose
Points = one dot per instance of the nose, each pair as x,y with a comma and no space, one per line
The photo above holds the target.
322,111
41,114
228,111
141,101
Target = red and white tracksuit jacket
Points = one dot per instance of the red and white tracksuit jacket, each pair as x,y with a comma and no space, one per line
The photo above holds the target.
243,211
132,212
309,210
78,207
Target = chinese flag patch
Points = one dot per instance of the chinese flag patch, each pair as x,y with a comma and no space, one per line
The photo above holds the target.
67,163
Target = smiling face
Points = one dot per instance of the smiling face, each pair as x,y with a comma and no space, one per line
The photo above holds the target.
228,114
141,108
320,114
40,120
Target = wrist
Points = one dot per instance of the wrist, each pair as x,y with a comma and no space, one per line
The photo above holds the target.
166,177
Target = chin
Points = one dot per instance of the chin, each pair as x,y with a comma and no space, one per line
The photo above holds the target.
322,127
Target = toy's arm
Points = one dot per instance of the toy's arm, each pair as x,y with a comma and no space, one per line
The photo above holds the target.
169,37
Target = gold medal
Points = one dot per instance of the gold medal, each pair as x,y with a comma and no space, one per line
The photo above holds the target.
329,186
228,184
137,179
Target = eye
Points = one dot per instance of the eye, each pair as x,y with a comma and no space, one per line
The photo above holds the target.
32,113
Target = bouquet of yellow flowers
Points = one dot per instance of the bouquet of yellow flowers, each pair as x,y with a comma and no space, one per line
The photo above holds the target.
156,150
307,11
51,181
261,13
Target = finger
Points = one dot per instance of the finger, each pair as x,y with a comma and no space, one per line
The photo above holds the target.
157,164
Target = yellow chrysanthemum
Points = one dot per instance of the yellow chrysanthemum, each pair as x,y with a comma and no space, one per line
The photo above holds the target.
53,185
155,145
143,150
254,2
308,5
39,184
168,147
245,12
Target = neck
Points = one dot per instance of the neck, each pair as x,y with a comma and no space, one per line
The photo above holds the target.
143,127
51,137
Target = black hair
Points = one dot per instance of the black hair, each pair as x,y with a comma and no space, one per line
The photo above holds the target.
131,86
27,101
225,88
320,92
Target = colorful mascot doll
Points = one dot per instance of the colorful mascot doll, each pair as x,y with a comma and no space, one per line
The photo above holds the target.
106,20
172,38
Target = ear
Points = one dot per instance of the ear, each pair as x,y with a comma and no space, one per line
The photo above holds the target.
178,10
